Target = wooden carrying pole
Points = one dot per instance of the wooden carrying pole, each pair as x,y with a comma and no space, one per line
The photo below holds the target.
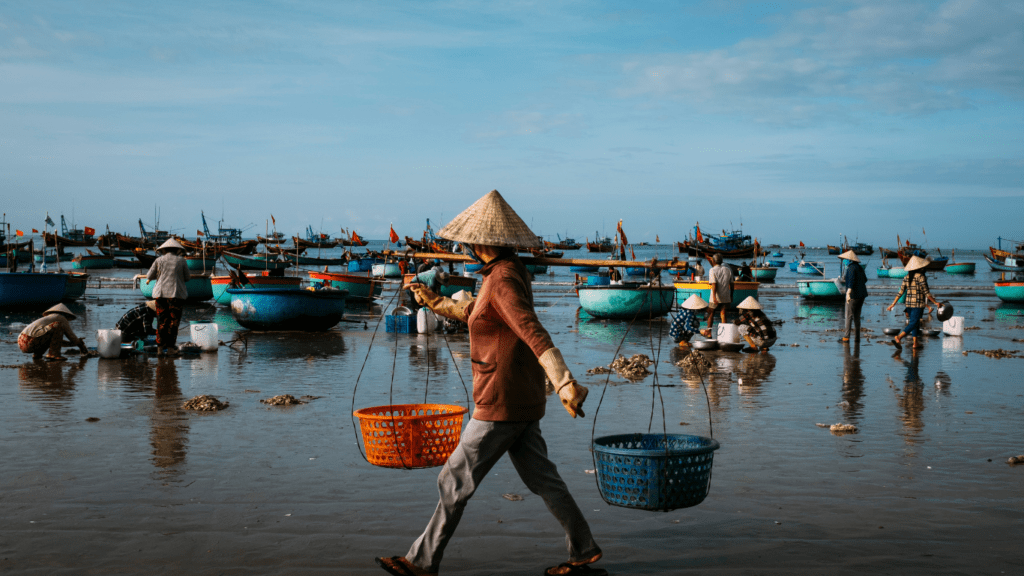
670,264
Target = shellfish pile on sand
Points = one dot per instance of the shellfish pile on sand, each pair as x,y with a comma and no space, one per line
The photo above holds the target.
204,403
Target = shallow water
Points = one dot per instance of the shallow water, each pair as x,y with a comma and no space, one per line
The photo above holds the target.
922,488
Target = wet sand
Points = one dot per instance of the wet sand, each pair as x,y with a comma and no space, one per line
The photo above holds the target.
922,488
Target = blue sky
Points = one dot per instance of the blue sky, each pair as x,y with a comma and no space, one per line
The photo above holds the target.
802,120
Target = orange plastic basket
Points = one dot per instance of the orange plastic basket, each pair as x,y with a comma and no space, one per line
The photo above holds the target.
410,435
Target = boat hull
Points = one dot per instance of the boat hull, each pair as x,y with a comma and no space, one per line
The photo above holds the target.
198,287
762,274
740,291
585,269
776,263
897,272
247,263
1010,291
960,268
360,288
220,285
626,302
882,272
31,288
453,285
819,290
1002,266
287,309
75,287
200,264
387,270
92,262
811,268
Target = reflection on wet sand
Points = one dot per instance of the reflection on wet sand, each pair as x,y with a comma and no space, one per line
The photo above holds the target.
49,379
285,346
911,401
820,313
612,331
853,382
428,356
168,427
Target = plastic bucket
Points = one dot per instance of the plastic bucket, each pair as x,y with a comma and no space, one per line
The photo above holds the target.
204,335
954,326
108,343
426,322
728,334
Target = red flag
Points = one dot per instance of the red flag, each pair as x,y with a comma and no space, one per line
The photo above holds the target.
622,234
393,237
700,237
356,238
19,232
272,220
198,233
801,244
89,231
34,231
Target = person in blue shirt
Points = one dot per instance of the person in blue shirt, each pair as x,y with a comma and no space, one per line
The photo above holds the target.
687,323
855,282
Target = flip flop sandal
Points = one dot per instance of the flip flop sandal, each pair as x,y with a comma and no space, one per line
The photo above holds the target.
897,344
395,565
574,570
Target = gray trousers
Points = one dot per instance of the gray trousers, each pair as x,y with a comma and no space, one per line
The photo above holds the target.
481,447
853,307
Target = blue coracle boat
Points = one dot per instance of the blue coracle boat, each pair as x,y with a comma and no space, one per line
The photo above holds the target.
75,287
626,301
31,288
286,309
363,264
387,270
584,269
1010,291
199,288
360,288
883,272
812,268
820,289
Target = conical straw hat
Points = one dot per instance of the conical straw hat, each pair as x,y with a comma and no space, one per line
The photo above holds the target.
171,244
916,263
61,309
694,302
749,304
849,255
492,222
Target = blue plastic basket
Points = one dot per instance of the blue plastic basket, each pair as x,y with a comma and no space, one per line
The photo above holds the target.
400,324
636,471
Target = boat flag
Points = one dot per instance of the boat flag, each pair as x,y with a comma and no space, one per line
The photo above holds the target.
657,239
34,231
19,233
801,244
89,231
272,220
49,220
356,238
393,237
700,237
198,233
622,234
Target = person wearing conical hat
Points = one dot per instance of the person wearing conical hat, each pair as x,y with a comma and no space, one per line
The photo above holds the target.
137,323
915,286
171,273
754,325
511,354
855,281
720,278
687,323
49,333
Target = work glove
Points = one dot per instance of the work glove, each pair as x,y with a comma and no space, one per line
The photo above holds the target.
439,304
569,391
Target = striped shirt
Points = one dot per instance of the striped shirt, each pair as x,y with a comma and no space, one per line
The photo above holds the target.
916,290
759,324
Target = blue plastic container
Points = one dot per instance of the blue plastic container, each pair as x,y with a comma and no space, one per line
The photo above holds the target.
641,471
400,324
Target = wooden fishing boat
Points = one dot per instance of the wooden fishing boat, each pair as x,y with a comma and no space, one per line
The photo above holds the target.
740,290
313,261
144,257
820,289
220,284
1010,291
452,285
51,258
353,240
862,249
117,252
386,270
602,245
92,262
53,240
834,250
273,238
811,268
886,253
31,289
734,244
1008,264
75,287
252,263
882,272
199,287
563,244
322,243
360,288
415,244
626,301
960,268
288,309
764,273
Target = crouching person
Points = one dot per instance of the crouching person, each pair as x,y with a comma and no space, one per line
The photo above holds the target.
49,333
687,323
754,326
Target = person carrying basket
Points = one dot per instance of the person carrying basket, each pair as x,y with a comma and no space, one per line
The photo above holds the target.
511,354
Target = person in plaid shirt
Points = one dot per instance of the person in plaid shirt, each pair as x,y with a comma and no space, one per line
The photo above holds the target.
754,325
687,323
137,323
915,286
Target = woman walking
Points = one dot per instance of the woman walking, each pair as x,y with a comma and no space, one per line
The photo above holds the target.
915,286
171,273
511,354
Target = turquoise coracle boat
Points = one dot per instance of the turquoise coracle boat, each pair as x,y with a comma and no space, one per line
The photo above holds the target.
199,288
220,285
388,270
626,301
883,272
31,289
897,272
360,288
200,263
92,262
287,309
820,289
1010,291
960,268
811,268
764,274
740,291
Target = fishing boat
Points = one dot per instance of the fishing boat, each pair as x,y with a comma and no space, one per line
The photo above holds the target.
764,273
78,237
220,285
861,249
601,245
31,289
563,244
740,291
363,264
75,287
776,255
360,288
834,250
1010,291
960,268
92,262
303,260
199,287
451,285
821,289
584,269
882,272
811,268
252,263
794,264
353,240
1007,264
274,237
386,270
200,263
734,244
288,309
314,240
117,252
626,301
776,263
887,253
937,263
51,258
